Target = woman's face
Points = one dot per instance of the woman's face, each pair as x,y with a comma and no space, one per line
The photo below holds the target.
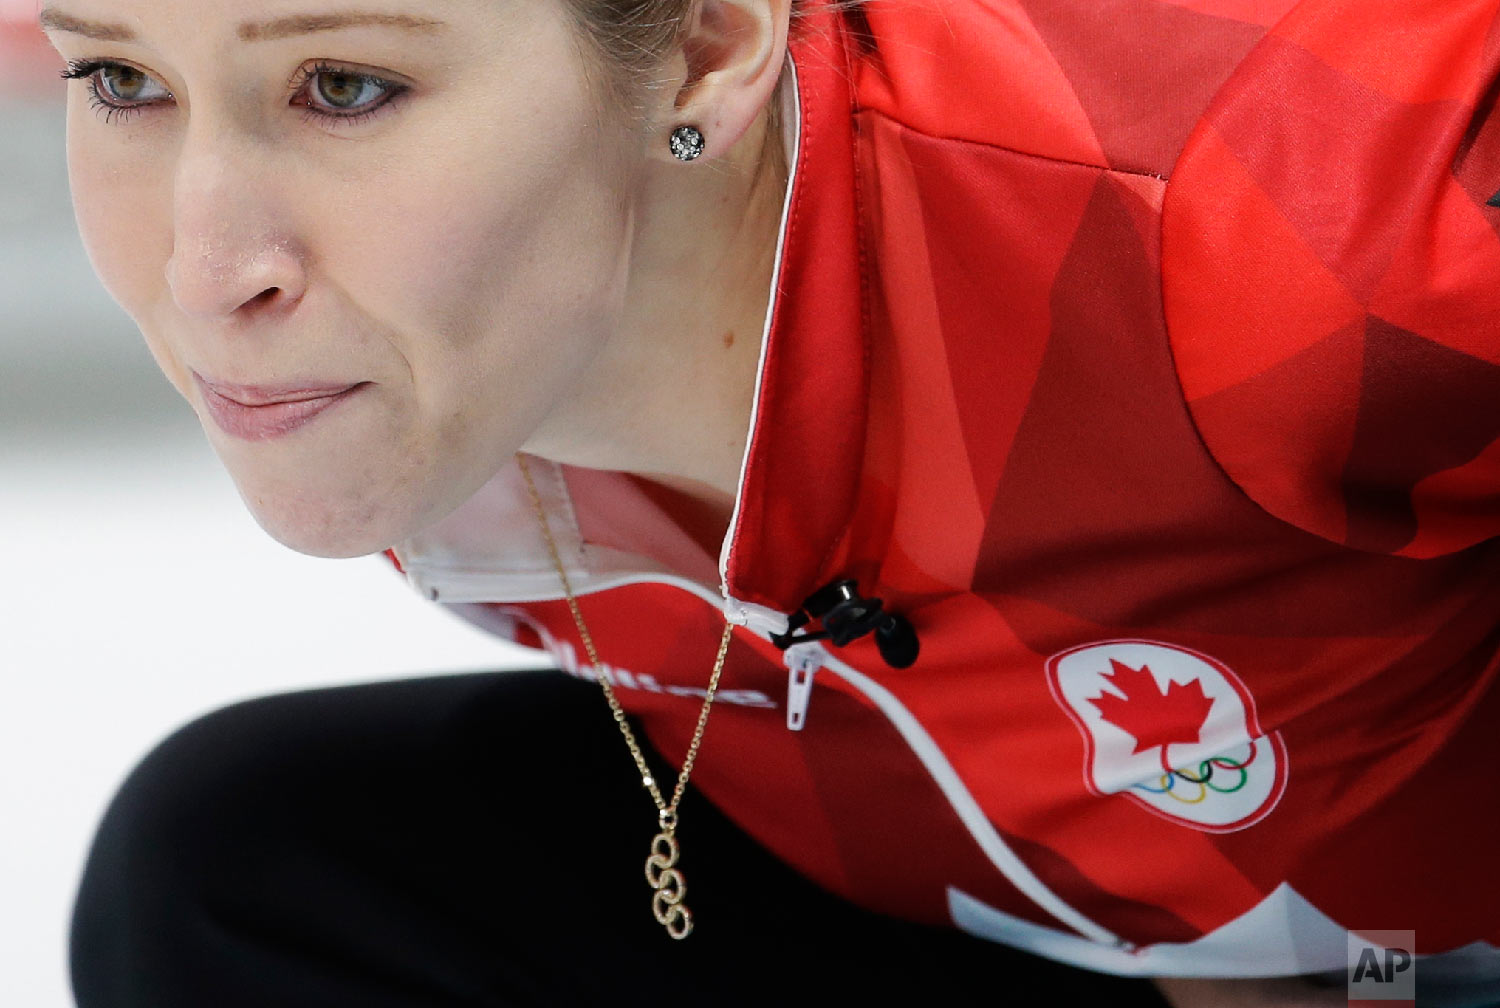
374,246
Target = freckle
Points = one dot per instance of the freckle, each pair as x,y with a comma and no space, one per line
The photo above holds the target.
728,338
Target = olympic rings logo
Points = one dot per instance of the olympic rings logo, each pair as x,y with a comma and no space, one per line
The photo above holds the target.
662,875
1204,779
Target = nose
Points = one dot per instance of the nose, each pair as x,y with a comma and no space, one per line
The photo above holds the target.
234,253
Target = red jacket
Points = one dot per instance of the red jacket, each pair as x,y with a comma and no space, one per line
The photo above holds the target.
1145,354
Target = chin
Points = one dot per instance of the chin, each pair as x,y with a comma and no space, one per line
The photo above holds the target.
326,547
323,505
333,530
328,542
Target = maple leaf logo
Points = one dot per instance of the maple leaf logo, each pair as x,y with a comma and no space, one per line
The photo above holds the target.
1148,715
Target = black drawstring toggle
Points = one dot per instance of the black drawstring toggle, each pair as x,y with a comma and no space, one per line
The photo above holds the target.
845,617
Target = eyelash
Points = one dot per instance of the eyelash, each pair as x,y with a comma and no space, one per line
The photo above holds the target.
88,71
85,70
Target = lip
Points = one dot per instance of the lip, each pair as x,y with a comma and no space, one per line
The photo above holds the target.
264,412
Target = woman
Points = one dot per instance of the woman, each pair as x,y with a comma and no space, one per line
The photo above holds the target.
1013,423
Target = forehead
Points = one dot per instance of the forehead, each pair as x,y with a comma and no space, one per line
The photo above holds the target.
150,21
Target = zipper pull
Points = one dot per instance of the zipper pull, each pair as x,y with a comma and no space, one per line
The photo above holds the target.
802,662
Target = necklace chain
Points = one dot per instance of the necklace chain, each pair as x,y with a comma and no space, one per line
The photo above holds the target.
662,874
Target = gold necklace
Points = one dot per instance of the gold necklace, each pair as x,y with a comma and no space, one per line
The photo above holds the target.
662,874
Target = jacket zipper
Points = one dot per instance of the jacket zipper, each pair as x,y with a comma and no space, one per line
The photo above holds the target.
802,662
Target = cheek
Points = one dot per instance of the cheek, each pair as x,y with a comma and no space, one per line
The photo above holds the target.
503,252
122,199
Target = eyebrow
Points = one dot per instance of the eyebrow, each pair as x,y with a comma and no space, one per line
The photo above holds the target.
303,24
261,31
56,20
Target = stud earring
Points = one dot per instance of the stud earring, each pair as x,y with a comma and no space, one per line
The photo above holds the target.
686,143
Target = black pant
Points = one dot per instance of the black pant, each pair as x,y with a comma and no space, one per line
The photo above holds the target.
472,840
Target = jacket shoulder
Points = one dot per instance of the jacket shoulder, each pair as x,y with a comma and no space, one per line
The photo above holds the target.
1113,83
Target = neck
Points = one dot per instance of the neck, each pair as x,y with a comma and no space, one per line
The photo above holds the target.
669,397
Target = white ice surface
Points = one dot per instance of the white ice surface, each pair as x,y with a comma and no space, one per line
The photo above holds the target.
136,593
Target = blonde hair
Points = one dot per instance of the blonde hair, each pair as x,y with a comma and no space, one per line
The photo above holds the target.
625,42
629,39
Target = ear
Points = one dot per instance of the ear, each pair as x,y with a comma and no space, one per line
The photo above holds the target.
730,59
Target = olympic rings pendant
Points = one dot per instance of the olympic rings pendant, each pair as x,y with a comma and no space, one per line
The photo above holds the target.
662,875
